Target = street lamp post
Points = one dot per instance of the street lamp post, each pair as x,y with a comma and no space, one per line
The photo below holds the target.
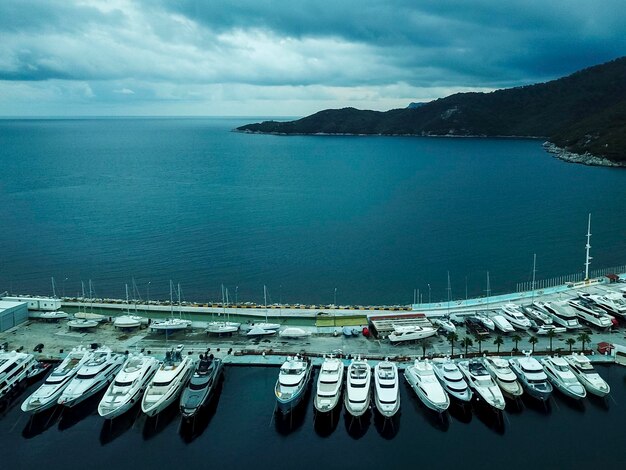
428,293
148,295
335,298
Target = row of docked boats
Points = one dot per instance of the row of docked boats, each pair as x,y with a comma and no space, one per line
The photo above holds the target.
436,383
128,380
16,370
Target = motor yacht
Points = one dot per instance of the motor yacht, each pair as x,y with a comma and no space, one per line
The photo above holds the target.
222,328
411,333
128,386
329,384
590,313
445,324
504,376
358,383
170,325
539,316
94,375
201,386
168,382
513,314
613,302
293,380
480,381
561,314
562,377
452,380
386,388
532,376
545,329
502,324
487,322
422,379
587,375
15,367
47,395
258,331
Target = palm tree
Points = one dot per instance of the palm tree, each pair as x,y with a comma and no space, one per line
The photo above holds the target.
480,344
570,342
551,334
498,342
517,339
584,338
533,340
466,343
425,344
452,337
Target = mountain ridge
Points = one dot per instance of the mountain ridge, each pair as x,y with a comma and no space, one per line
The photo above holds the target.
583,114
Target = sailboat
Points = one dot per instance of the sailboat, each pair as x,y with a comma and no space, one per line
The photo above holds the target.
266,328
54,314
128,320
223,327
172,323
85,315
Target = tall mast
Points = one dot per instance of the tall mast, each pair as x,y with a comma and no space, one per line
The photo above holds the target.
449,292
54,290
265,300
223,302
588,247
171,298
534,272
127,302
180,307
228,317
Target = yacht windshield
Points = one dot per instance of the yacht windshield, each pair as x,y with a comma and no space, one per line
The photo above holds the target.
123,384
387,385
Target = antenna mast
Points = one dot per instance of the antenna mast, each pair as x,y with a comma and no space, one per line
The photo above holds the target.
588,247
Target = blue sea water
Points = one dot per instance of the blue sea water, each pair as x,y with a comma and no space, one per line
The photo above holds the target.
239,431
373,217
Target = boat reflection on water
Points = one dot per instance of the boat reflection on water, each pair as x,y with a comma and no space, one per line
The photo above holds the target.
155,425
117,427
493,419
191,429
387,427
357,427
326,423
460,411
285,424
72,416
39,423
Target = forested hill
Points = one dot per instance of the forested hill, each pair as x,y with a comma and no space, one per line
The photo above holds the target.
583,112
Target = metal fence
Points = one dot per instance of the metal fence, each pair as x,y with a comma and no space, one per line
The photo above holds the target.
561,280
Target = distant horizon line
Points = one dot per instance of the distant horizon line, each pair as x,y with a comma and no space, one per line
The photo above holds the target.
144,116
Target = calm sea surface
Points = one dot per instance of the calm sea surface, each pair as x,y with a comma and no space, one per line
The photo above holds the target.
374,217
239,431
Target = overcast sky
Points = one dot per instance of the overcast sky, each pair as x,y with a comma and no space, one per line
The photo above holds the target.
286,57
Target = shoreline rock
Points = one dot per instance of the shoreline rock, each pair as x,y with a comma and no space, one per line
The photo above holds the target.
584,159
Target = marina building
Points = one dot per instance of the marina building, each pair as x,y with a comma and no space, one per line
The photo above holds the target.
12,313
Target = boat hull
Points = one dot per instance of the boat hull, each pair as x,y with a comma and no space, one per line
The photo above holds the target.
158,406
326,404
439,407
357,411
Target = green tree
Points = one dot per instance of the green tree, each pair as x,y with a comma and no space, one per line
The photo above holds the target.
584,338
466,343
533,340
517,339
452,337
498,342
570,342
480,344
551,334
425,344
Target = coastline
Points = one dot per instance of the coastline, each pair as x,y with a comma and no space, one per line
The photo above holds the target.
584,159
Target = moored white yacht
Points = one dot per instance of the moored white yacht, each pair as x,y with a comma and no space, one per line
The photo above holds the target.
452,379
502,323
167,382
94,375
532,376
590,313
445,324
386,388
128,386
481,382
201,386
485,320
329,384
504,376
422,379
537,315
358,384
587,375
14,368
561,376
292,383
47,395
514,316
561,314
411,333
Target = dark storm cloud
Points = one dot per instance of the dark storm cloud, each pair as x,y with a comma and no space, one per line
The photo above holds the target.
342,52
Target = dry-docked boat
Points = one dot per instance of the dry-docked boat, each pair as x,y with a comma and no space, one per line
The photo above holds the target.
411,333
561,313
